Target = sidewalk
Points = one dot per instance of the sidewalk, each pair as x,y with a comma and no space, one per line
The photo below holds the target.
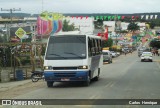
9,85
156,58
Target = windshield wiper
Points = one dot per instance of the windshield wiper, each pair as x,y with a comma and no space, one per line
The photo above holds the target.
58,55
73,54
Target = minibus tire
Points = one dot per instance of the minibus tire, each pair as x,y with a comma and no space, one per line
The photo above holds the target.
50,83
87,83
97,77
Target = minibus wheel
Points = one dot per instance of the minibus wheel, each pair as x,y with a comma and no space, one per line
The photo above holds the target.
87,83
50,83
97,77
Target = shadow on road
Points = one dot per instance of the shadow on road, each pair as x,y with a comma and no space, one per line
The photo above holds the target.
71,84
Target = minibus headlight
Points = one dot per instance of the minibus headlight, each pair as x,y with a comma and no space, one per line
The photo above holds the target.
47,67
83,67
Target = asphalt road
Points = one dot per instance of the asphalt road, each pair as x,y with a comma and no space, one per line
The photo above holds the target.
126,78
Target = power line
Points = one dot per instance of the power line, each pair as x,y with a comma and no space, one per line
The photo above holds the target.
11,12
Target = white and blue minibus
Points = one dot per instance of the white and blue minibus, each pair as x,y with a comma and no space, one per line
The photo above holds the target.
72,57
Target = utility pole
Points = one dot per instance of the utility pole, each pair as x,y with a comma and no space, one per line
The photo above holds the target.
115,19
11,12
42,5
8,30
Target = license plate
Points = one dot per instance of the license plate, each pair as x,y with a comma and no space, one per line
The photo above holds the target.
105,62
65,79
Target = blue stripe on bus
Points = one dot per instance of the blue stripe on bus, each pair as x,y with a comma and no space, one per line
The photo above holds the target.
71,75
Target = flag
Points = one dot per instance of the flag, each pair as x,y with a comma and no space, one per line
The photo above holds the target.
55,26
123,17
97,17
119,17
151,16
101,17
156,16
142,16
105,17
147,16
60,24
81,17
113,17
109,17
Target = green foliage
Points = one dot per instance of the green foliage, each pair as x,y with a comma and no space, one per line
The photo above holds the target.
123,31
5,50
67,26
133,27
3,38
152,24
107,43
155,43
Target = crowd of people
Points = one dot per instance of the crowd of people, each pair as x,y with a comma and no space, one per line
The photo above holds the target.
155,52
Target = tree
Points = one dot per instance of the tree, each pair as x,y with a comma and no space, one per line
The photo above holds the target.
107,43
152,24
155,43
98,24
67,26
133,27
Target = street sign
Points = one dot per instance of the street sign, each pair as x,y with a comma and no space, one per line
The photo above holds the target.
20,33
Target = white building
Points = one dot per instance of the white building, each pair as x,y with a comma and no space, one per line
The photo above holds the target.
111,25
124,25
141,25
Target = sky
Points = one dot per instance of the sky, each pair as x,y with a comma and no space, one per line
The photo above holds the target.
82,6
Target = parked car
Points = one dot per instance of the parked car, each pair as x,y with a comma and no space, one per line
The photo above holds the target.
140,51
114,54
118,53
146,56
107,57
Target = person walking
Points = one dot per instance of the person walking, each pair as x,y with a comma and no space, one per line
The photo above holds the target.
125,52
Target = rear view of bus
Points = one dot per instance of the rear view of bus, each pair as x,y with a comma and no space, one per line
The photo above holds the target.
67,59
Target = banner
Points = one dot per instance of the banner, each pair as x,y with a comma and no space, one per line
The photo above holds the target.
48,23
105,34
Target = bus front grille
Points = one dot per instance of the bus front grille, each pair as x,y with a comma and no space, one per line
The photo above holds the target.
64,68
65,74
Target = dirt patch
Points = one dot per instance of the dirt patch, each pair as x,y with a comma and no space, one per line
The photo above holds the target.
22,89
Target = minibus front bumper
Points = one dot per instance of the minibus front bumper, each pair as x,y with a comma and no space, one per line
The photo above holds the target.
60,76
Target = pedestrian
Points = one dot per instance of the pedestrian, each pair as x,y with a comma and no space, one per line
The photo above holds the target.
125,52
153,52
157,52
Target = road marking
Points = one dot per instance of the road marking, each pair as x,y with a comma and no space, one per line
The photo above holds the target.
107,85
110,84
93,97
